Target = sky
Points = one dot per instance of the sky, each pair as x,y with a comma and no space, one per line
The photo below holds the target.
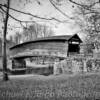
44,9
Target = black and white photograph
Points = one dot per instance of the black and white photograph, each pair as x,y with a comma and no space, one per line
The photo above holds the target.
49,49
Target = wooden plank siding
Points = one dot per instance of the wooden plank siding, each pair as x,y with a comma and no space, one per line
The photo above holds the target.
50,46
59,43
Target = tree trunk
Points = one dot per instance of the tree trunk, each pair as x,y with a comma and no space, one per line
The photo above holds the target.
5,75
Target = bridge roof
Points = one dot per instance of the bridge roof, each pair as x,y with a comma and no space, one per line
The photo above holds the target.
51,38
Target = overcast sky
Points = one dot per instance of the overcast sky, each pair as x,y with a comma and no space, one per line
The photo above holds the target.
44,9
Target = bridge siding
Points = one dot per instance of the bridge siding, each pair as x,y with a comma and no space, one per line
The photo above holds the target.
53,46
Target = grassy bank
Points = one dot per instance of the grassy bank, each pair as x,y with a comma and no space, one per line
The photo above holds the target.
78,87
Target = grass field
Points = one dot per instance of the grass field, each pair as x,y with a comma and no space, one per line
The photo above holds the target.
61,87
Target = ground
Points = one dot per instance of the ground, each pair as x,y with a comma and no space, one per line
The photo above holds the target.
60,87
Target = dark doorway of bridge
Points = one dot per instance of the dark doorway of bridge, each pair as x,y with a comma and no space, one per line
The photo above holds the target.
73,48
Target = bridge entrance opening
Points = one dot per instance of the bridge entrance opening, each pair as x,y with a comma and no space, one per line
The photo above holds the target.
73,47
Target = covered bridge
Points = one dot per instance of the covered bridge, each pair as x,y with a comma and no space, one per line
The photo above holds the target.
45,50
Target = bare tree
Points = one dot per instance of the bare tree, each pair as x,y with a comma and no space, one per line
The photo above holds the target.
5,75
46,31
35,31
17,38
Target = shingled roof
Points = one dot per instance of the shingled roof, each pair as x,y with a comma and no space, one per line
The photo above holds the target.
51,38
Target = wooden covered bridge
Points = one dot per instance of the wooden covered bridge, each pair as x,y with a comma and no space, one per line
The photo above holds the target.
44,51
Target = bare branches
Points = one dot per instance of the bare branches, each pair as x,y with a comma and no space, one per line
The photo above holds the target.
2,13
14,18
93,4
35,16
76,3
21,21
51,1
87,7
90,15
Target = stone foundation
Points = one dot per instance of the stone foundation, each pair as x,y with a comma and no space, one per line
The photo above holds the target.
77,65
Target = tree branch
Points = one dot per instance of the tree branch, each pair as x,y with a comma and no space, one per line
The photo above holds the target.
59,10
77,3
2,14
38,17
93,4
87,7
20,21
